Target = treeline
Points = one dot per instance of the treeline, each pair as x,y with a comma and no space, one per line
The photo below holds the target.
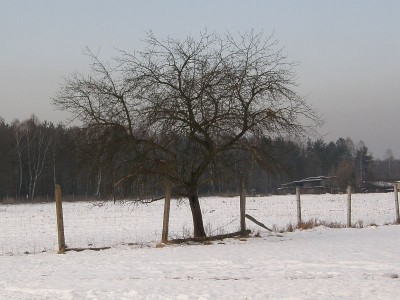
34,155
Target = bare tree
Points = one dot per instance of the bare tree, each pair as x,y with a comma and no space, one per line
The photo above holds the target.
18,137
37,147
183,104
389,158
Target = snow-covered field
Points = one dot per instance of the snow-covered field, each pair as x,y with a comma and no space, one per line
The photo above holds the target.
314,264
321,263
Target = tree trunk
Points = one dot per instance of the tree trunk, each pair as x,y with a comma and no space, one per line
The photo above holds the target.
33,190
196,214
20,175
98,184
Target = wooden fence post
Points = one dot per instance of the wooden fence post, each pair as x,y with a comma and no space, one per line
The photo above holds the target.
167,207
299,222
349,206
60,220
242,206
396,202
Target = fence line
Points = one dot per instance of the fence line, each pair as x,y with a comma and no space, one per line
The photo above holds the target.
298,201
60,219
349,206
396,201
242,206
167,208
31,228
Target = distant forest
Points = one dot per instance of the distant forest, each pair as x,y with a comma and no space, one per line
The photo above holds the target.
35,155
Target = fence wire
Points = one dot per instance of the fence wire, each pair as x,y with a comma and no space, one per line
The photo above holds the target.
31,228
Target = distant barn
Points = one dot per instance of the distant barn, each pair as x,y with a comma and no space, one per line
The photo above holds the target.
311,185
378,186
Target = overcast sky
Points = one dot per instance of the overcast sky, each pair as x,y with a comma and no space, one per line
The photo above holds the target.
348,52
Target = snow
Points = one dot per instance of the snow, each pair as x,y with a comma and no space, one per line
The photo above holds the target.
322,263
315,264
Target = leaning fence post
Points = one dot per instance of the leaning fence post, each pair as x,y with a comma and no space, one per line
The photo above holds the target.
60,220
349,206
242,207
299,222
396,202
167,206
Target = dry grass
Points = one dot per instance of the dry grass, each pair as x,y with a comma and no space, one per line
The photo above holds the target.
358,224
9,201
257,234
391,223
310,224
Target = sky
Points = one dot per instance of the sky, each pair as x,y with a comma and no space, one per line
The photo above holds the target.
348,52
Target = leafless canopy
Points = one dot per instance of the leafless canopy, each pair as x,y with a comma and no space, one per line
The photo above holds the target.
217,87
214,90
185,102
